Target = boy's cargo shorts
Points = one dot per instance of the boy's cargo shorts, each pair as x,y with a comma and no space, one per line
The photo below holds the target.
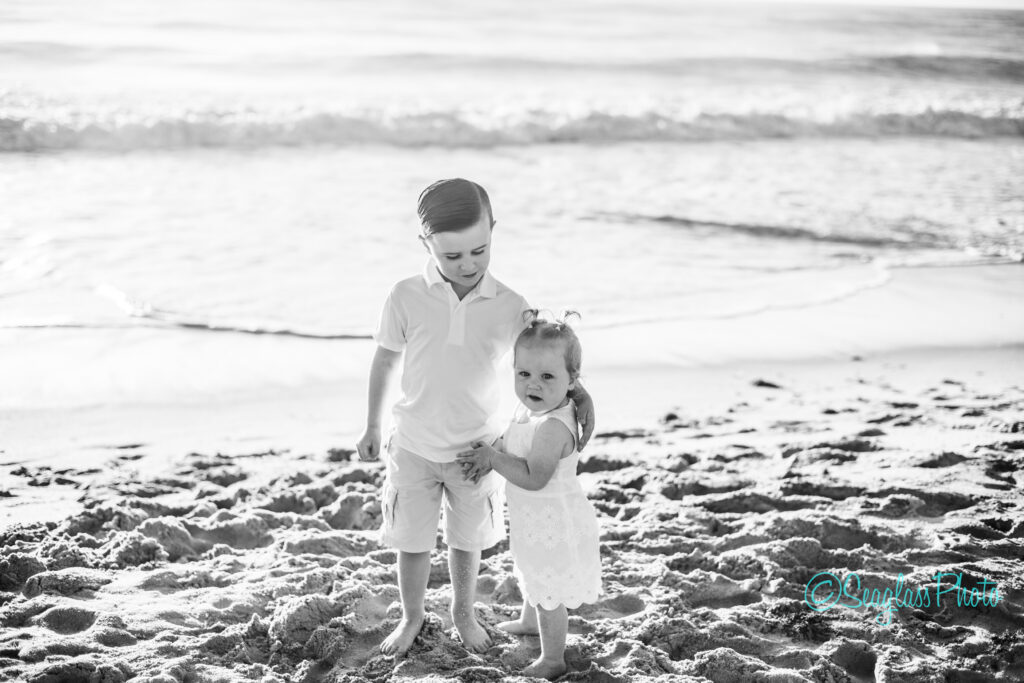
474,517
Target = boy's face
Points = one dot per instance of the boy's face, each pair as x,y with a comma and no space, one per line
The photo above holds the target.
542,380
462,257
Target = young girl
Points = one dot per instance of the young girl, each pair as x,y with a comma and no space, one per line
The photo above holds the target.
554,532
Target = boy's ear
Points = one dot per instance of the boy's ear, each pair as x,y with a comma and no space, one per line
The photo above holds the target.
423,241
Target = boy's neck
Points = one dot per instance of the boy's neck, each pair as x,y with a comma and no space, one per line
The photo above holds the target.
461,291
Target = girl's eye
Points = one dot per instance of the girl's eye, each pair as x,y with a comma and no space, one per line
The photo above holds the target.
524,373
548,375
477,252
452,257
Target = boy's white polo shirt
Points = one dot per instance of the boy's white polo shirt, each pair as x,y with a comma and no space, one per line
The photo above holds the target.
450,388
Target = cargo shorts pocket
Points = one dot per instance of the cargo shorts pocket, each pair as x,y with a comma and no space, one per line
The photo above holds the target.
494,509
389,507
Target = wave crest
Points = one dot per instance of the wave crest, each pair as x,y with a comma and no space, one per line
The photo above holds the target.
245,128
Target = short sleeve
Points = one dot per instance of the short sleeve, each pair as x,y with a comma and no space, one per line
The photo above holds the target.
520,325
391,327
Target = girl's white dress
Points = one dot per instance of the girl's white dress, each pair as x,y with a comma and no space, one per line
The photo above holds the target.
554,532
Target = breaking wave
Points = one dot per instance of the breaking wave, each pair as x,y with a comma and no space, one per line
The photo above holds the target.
55,129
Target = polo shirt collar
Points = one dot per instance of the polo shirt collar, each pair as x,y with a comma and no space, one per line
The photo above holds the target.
487,287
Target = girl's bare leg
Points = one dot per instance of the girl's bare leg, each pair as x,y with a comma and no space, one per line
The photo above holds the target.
525,625
553,624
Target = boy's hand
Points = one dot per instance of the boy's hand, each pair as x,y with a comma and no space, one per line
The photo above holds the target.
584,415
368,445
475,463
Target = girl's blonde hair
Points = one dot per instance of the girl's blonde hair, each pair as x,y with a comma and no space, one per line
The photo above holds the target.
539,329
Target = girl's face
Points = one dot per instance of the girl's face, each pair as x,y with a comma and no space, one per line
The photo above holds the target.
542,381
462,257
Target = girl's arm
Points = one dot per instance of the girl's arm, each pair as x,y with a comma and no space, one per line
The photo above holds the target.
381,370
551,442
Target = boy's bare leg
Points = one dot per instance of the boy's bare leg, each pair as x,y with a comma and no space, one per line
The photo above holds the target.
553,626
463,565
525,625
413,574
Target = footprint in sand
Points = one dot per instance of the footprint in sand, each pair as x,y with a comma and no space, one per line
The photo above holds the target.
602,463
617,607
944,459
685,485
857,657
114,637
807,487
753,501
903,501
64,558
67,619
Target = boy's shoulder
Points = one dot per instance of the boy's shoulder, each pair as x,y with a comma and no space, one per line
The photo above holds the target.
409,285
501,289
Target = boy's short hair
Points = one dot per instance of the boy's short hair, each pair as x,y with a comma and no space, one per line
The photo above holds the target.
452,205
540,330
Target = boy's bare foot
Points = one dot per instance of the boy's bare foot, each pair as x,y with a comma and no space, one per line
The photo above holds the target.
543,668
474,637
518,628
401,638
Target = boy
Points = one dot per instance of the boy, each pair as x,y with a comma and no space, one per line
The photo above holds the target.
453,323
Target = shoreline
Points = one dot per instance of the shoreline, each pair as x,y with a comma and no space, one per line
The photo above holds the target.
916,308
315,419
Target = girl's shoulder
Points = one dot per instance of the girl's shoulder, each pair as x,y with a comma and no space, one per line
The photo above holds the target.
566,415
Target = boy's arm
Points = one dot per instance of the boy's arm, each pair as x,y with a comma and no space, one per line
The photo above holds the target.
550,443
382,368
584,412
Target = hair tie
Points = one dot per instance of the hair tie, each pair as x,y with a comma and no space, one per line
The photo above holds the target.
531,316
567,315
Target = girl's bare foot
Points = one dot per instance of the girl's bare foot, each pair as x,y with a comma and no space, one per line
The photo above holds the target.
401,638
474,637
545,668
518,628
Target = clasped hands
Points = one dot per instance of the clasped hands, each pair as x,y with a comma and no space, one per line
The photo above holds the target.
476,462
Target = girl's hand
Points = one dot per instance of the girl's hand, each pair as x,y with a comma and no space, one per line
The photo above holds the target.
475,463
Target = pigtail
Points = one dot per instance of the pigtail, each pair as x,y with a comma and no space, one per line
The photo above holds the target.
568,317
531,316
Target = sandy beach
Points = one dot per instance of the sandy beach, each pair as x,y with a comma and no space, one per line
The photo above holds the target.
727,524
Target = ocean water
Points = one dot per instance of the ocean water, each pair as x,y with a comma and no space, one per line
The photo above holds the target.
174,170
